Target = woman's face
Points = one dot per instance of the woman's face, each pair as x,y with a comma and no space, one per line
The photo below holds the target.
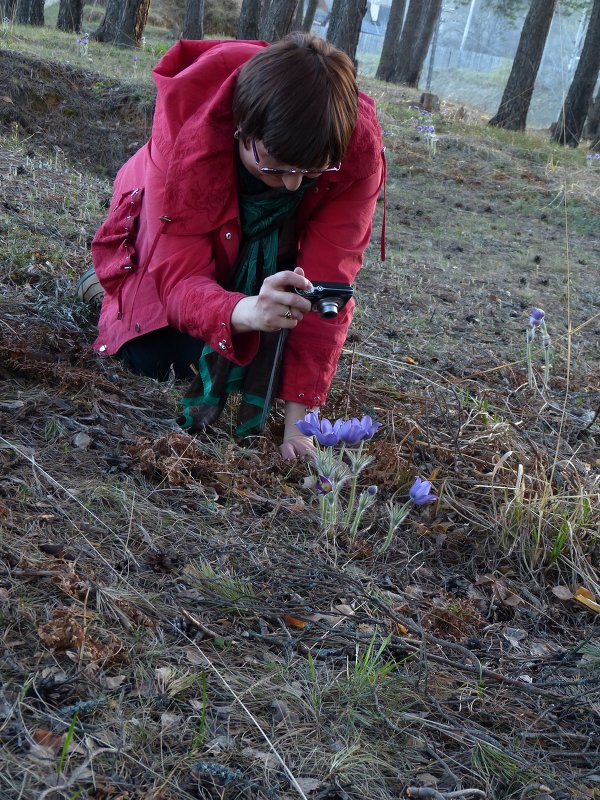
255,157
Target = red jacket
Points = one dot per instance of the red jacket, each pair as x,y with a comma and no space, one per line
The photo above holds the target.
173,233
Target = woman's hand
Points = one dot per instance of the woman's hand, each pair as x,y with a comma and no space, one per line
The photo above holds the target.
295,444
274,307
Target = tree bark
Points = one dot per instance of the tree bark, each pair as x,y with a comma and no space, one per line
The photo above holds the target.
30,12
417,33
279,19
298,16
108,29
133,22
391,40
345,23
124,22
309,17
249,21
70,14
569,128
8,9
592,124
193,19
514,106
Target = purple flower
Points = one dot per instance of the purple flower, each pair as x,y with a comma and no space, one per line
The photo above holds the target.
420,492
324,484
588,157
350,431
536,317
596,156
324,432
354,431
371,490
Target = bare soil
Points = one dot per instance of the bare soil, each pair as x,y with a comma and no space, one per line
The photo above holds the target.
175,624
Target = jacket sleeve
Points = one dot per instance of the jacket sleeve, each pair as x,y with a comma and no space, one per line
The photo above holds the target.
331,248
189,284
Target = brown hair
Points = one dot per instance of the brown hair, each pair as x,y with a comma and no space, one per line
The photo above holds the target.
299,97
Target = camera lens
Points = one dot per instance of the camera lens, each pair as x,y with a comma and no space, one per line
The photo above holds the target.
328,307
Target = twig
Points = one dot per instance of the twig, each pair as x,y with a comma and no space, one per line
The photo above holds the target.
425,792
199,624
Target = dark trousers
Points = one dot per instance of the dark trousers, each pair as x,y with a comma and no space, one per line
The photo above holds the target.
153,354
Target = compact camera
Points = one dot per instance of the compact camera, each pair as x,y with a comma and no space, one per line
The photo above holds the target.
327,298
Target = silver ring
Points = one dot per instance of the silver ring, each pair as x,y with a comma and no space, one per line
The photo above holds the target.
288,314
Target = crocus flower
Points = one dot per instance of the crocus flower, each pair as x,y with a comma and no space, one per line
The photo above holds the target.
420,492
536,317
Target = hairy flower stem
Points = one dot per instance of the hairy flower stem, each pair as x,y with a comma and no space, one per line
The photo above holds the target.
530,338
397,516
365,501
356,467
546,346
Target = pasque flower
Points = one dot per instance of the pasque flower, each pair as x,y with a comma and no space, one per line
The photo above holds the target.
349,431
354,431
420,492
324,484
536,317
324,432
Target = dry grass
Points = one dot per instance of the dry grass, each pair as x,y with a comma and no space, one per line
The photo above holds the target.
175,624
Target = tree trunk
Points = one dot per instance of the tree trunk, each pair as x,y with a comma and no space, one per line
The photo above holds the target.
249,21
569,128
30,12
193,19
8,9
133,22
415,41
70,14
298,16
309,17
514,106
592,125
111,23
278,21
391,40
345,23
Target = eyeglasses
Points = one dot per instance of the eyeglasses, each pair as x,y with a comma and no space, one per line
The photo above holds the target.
278,171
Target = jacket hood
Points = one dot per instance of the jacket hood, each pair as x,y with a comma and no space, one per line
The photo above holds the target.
192,134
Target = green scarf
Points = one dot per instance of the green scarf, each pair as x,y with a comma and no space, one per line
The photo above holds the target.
262,215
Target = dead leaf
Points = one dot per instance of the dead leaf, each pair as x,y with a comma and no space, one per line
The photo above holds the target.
283,713
309,785
82,441
53,742
294,622
427,779
268,759
112,681
562,592
399,629
409,360
168,721
586,598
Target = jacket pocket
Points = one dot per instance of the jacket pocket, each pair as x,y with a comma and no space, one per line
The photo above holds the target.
114,245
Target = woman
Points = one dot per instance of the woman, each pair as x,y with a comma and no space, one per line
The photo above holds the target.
260,178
